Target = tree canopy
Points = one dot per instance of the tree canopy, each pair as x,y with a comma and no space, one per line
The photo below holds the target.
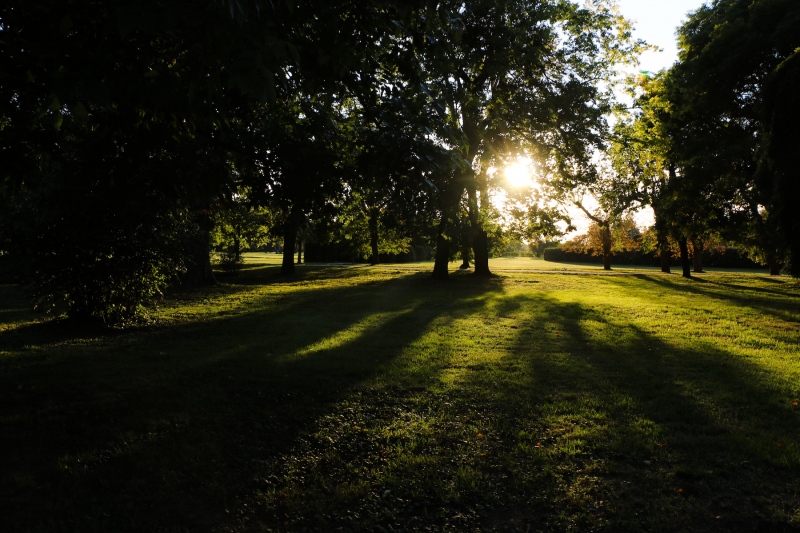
135,134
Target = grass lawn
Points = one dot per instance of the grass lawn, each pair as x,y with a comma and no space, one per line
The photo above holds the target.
376,399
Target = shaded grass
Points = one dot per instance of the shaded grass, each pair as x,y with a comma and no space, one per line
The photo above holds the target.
368,398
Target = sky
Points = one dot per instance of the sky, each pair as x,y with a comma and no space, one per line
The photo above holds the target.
655,21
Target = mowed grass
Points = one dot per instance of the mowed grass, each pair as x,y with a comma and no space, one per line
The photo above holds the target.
378,399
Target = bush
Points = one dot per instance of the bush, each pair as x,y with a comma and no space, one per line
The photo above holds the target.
103,262
730,258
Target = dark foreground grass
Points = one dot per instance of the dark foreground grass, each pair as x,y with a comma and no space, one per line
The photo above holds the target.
379,400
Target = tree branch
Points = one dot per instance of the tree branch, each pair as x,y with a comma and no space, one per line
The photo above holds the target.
595,218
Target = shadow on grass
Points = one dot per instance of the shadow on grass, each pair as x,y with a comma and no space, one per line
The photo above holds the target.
169,429
15,306
741,295
257,274
583,421
636,434
747,288
403,403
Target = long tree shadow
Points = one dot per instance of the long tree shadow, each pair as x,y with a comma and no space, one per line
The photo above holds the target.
657,437
557,415
166,430
401,403
586,420
746,297
747,288
38,330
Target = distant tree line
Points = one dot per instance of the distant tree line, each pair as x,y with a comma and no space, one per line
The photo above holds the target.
626,244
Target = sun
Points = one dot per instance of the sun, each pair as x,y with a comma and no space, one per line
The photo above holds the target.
518,174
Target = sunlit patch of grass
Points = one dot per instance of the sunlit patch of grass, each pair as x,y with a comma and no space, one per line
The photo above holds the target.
374,398
351,334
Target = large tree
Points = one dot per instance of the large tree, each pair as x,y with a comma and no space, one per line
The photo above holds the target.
125,115
511,76
296,171
730,50
116,119
779,165
640,151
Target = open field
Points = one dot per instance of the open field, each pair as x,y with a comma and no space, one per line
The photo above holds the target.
377,399
501,264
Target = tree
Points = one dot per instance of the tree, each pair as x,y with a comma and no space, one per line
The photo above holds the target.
295,172
640,150
506,75
348,56
357,233
619,235
535,217
780,158
653,149
150,103
239,227
729,51
116,119
389,157
600,183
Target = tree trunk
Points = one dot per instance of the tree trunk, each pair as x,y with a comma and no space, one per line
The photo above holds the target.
606,232
198,268
465,254
698,246
481,249
665,254
480,239
289,243
299,252
685,263
373,236
449,202
774,266
440,265
237,248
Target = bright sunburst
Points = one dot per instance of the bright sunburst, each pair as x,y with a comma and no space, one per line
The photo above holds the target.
518,174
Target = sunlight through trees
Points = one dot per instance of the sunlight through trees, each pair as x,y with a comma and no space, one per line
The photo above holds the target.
372,129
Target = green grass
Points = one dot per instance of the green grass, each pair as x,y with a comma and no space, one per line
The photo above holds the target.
365,398
502,264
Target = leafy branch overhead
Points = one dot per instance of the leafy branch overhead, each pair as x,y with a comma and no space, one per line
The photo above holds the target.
137,129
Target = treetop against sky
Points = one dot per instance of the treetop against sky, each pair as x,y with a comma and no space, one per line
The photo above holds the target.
656,21
407,116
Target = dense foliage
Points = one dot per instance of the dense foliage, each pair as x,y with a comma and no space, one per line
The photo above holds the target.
711,145
136,136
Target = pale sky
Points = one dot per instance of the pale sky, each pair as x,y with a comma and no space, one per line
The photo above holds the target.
655,21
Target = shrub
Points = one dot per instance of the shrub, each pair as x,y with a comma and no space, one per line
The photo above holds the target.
105,262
